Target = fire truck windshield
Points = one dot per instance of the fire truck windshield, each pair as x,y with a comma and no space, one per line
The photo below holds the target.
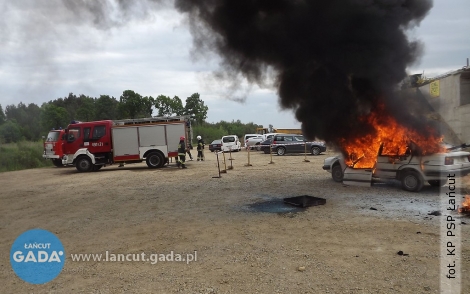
53,136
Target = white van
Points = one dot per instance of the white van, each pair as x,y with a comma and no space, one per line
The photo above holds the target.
231,142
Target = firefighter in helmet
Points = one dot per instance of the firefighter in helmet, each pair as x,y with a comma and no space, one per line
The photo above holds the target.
181,153
200,148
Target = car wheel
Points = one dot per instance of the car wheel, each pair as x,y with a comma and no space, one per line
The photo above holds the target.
337,173
155,160
315,150
258,147
83,164
411,181
281,151
437,183
57,162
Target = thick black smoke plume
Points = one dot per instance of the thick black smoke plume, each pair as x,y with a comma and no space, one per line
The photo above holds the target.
333,60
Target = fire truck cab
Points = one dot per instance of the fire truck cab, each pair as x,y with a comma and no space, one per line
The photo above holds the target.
92,145
53,146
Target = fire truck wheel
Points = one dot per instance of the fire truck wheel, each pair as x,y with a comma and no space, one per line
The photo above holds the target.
155,160
83,164
437,183
315,150
281,151
411,181
57,162
337,173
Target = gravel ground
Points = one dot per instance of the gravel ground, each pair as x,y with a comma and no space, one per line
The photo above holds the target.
348,245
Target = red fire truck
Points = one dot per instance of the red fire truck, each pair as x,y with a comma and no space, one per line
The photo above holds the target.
53,146
92,145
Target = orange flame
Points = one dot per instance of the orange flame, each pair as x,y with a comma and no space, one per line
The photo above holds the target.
395,139
465,205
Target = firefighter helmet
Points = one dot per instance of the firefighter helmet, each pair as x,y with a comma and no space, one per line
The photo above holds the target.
182,138
199,137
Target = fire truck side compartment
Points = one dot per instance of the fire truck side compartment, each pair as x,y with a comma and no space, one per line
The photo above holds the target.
126,143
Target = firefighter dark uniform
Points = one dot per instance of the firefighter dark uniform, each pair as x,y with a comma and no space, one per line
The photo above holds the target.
200,149
181,153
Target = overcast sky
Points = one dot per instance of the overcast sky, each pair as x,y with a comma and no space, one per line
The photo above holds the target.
47,52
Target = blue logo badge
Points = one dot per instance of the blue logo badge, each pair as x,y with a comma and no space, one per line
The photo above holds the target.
37,256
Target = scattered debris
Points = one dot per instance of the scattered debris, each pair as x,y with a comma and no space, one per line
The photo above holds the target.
418,232
435,213
301,268
373,208
402,254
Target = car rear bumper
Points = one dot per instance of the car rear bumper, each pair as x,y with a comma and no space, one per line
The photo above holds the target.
458,172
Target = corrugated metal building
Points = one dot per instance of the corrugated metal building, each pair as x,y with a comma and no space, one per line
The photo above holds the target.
449,95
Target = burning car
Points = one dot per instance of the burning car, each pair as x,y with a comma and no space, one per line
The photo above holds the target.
411,168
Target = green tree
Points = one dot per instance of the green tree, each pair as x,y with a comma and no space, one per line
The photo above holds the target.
54,116
164,104
3,118
26,117
130,104
10,132
17,113
196,109
70,104
32,130
177,106
106,107
86,111
167,106
147,104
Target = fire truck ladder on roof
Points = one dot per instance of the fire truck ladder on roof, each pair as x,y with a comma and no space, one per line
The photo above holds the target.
150,120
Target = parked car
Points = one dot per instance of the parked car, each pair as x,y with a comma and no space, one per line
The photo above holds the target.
292,143
216,145
264,146
412,170
249,143
248,136
230,142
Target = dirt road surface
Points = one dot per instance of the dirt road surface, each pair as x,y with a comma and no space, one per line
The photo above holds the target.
348,245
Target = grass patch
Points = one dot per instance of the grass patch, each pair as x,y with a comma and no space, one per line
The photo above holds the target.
22,155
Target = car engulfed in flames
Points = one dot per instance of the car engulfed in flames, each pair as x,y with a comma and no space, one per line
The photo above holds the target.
393,151
392,138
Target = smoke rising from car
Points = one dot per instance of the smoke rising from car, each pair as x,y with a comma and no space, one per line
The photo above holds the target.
329,61
333,61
